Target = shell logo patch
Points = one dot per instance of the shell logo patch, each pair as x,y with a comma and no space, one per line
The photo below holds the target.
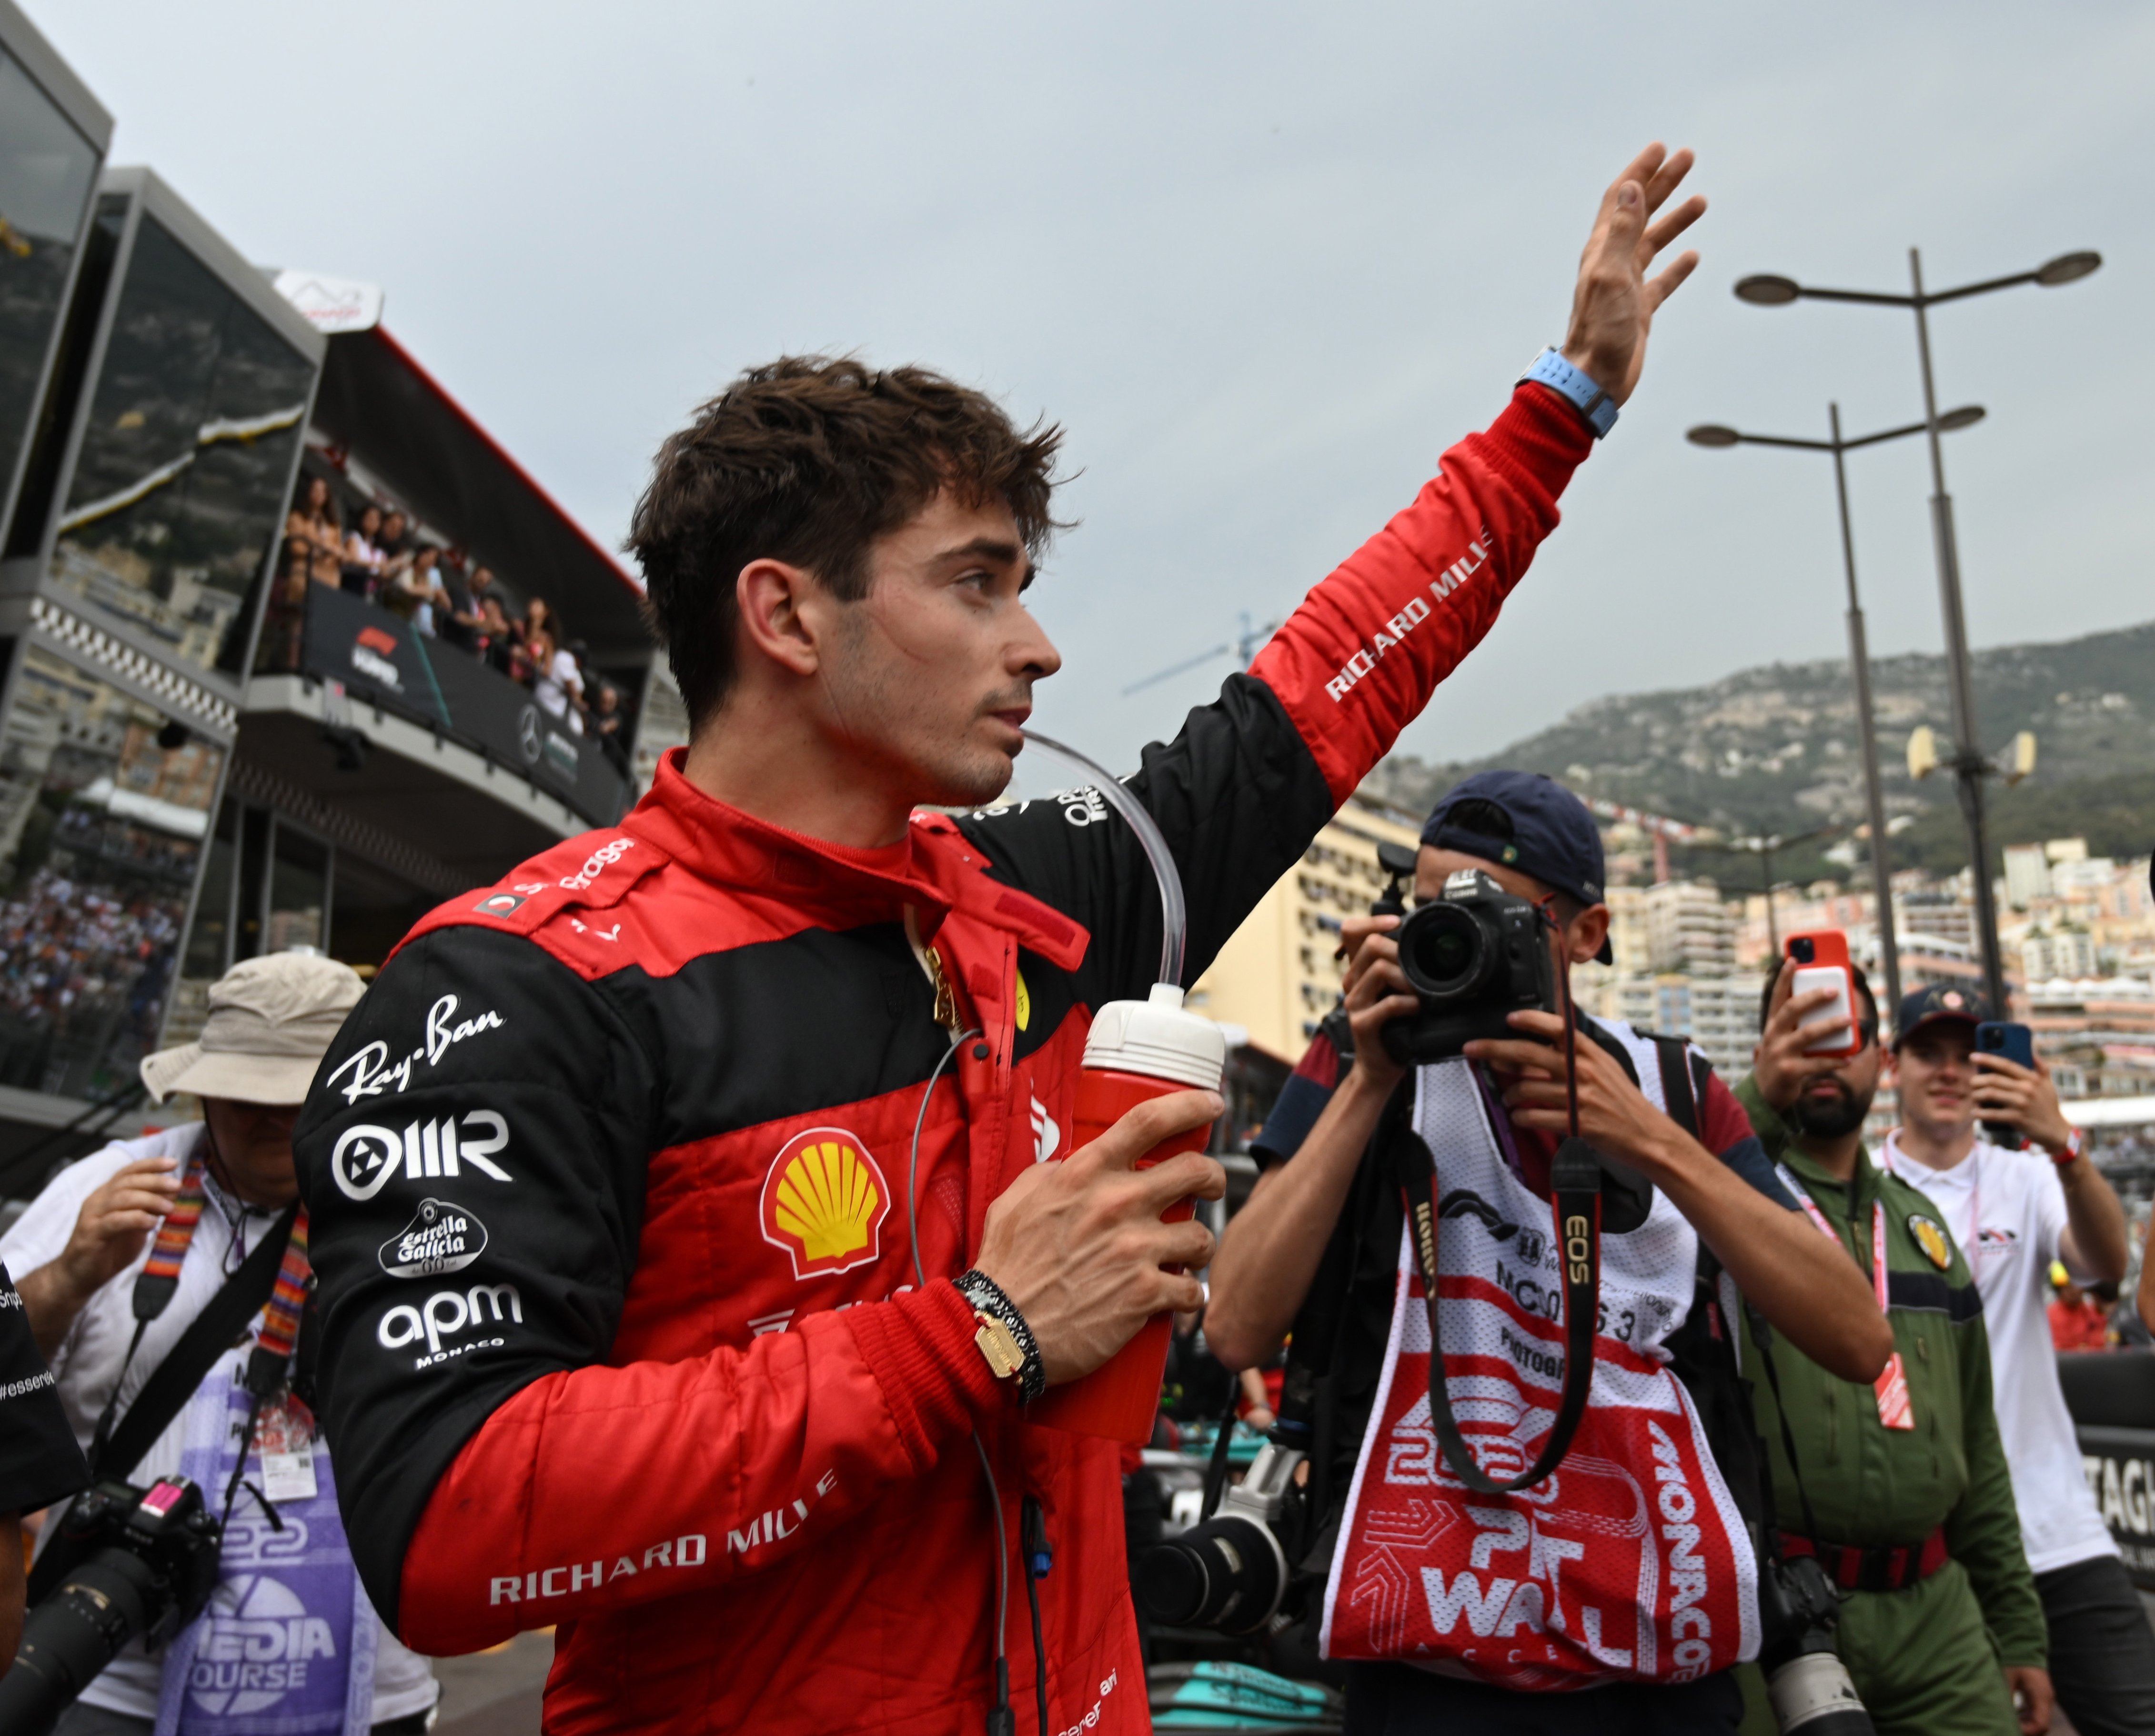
1024,1002
1937,1246
824,1202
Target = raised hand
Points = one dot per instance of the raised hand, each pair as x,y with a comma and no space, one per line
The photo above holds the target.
1779,1065
109,1231
1613,308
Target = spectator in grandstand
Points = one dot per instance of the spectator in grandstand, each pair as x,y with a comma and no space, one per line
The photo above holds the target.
495,641
556,683
313,543
607,722
2078,1322
398,549
422,584
362,569
458,621
539,616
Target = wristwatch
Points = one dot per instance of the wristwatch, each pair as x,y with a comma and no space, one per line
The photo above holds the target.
1596,408
2076,1145
1004,1341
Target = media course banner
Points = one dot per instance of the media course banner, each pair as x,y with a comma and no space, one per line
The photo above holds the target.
2111,1396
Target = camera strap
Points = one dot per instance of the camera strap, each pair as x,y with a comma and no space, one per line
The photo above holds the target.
1575,1185
115,1450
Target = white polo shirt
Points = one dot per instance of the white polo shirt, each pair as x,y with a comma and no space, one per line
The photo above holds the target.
87,1364
2022,1207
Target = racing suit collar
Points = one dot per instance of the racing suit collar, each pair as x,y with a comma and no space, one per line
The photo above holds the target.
933,869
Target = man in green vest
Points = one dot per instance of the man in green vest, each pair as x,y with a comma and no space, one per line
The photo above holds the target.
1910,1504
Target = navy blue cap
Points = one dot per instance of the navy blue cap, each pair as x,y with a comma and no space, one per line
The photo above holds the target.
1936,1003
1550,836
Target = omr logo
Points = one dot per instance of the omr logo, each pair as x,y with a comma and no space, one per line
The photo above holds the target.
824,1202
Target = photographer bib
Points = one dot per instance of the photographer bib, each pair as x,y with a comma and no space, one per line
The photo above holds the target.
1629,1563
286,1645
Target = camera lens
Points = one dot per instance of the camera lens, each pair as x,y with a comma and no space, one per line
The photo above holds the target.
1226,1574
1802,951
1444,951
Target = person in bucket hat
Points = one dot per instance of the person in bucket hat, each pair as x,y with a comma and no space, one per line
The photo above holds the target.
158,1226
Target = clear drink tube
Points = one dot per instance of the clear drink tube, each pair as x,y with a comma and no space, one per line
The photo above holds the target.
1174,915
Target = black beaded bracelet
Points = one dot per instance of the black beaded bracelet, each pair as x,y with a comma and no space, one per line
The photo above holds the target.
986,1296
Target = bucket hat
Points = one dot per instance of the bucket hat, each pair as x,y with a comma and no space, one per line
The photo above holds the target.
271,1020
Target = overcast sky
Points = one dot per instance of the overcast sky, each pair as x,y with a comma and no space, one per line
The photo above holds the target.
1264,262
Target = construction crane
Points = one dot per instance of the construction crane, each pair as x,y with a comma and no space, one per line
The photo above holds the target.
1658,827
1244,646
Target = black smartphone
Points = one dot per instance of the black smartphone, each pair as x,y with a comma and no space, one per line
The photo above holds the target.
2014,1042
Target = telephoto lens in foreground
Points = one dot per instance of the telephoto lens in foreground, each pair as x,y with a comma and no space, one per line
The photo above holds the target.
131,1562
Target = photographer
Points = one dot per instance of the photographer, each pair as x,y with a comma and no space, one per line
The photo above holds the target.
1578,1605
750,1094
1925,1541
141,1256
2012,1213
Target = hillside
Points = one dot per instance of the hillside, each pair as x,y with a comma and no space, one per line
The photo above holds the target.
1776,749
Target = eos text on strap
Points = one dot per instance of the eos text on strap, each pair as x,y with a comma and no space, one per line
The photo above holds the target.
1580,390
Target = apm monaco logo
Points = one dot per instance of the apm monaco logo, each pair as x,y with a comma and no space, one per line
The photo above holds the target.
824,1202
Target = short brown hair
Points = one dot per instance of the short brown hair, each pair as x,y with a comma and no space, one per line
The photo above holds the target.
808,460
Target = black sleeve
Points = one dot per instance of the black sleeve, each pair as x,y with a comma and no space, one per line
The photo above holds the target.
1239,799
39,1461
472,1154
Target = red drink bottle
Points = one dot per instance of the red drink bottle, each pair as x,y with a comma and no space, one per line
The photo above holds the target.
1136,1050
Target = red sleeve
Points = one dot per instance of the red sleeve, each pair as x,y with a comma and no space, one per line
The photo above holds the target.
1722,1122
550,1511
1359,660
1320,1062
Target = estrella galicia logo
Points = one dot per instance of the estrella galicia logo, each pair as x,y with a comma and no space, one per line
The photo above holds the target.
365,1157
441,1237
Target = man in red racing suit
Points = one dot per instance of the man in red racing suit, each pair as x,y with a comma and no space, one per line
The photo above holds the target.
608,1173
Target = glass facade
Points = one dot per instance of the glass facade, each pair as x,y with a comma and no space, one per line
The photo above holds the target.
46,171
188,442
104,814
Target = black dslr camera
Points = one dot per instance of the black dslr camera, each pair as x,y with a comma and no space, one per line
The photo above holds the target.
127,1563
1475,955
1807,1685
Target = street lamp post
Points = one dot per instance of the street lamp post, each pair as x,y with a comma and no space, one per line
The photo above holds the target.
1970,767
1859,654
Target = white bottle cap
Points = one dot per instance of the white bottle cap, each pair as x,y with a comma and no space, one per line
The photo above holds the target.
1157,1039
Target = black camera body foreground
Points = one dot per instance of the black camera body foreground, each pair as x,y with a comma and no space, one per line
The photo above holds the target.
127,1563
1807,1685
1475,955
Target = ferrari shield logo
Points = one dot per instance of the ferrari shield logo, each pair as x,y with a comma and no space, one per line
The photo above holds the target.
1931,1238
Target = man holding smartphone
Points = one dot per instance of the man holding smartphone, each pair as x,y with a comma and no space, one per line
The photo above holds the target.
2011,1213
1908,1485
2014,1212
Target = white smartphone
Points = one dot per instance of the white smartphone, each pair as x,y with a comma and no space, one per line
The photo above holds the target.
1839,1011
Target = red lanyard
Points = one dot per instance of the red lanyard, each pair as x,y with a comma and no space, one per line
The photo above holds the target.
1896,1409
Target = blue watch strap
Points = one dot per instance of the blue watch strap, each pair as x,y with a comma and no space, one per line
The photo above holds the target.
1594,405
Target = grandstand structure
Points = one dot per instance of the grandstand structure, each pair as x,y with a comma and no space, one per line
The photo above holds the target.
180,789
